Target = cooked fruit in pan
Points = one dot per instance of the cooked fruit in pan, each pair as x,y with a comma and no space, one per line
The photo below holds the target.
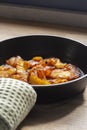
39,70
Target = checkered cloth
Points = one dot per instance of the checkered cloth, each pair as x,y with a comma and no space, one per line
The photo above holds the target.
17,98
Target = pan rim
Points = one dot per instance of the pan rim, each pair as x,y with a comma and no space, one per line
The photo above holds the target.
44,35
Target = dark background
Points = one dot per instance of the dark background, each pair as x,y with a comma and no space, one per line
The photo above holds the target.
74,5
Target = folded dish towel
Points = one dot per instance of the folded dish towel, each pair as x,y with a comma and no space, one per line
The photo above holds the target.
17,98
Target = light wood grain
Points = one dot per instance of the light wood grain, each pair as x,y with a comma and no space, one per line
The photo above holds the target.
68,115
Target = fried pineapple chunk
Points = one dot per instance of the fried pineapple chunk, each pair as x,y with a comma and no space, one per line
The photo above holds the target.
18,61
37,76
37,58
57,81
13,61
33,79
55,62
6,71
22,77
69,73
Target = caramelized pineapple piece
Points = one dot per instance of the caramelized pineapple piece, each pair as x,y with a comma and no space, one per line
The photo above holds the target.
37,58
33,79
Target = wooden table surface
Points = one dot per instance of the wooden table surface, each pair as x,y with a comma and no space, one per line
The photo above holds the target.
68,115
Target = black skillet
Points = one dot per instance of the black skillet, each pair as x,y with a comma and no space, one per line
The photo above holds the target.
50,46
